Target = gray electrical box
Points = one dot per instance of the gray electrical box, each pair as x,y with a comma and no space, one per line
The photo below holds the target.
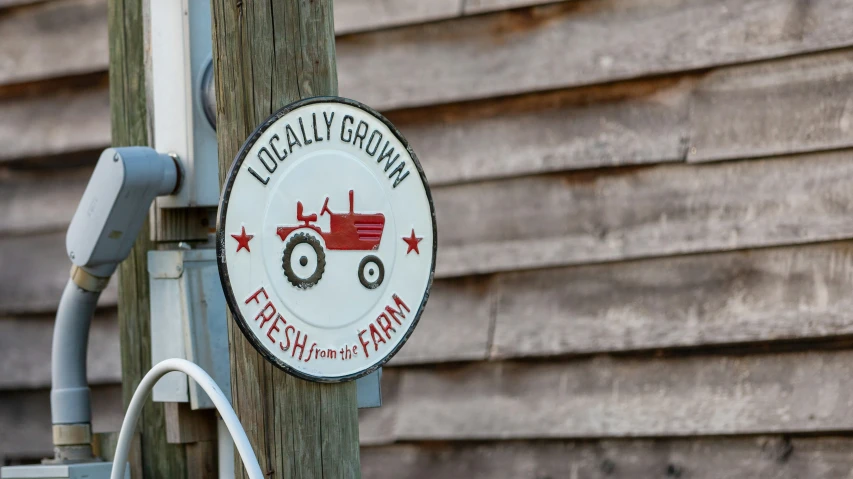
92,470
180,55
188,322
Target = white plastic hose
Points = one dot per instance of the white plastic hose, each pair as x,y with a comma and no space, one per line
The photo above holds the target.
244,448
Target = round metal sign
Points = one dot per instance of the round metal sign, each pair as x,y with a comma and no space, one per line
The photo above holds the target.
326,239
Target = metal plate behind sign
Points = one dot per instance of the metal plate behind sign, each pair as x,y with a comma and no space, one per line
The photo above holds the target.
326,239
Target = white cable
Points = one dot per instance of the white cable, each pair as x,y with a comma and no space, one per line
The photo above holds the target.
244,448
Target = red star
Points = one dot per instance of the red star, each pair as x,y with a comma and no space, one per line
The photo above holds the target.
412,241
243,240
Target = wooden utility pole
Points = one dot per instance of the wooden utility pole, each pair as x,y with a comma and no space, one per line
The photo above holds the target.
267,55
130,127
129,121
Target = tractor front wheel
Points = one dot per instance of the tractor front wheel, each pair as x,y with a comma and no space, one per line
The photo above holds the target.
303,261
371,272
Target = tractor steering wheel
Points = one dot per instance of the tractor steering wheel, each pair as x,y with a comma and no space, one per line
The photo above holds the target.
325,208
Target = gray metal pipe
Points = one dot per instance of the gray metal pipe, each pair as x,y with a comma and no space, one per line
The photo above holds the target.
69,394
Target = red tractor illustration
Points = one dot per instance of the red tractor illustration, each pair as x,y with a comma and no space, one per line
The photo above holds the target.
347,232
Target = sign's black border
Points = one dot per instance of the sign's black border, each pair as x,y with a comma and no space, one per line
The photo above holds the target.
220,237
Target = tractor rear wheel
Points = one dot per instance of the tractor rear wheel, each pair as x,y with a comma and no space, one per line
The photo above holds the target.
303,261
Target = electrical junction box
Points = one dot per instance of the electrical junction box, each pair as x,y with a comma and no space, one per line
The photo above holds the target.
181,80
113,207
188,321
90,470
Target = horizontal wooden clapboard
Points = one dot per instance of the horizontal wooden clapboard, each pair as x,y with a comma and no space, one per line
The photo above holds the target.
25,344
581,218
699,301
622,397
40,201
361,15
621,214
455,327
489,55
628,123
761,457
358,15
456,324
69,37
773,108
688,301
13,3
647,211
57,38
376,425
621,124
577,43
25,420
36,270
585,398
55,123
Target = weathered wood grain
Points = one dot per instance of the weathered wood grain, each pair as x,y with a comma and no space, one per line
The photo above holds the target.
202,459
456,324
483,56
186,426
69,37
762,457
25,420
602,215
35,271
266,57
129,126
376,425
44,200
704,300
480,6
53,39
627,397
362,15
359,15
38,201
645,212
627,123
773,108
14,3
699,300
63,122
25,351
578,43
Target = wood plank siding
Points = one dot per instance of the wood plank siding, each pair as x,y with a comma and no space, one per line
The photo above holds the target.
645,228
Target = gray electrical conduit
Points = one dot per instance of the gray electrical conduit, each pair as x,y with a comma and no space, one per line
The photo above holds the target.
69,393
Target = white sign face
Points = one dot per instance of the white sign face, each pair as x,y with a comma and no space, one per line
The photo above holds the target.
326,239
